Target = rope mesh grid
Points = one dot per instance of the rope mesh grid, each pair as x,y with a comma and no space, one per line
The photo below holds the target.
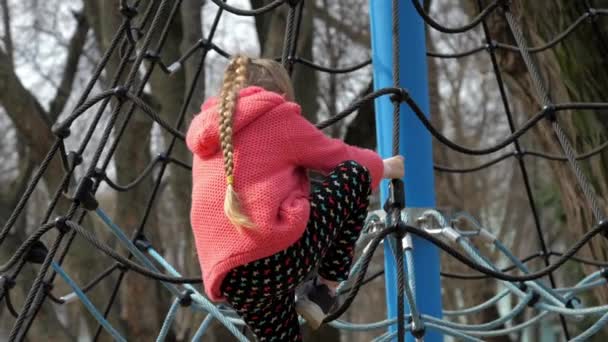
156,20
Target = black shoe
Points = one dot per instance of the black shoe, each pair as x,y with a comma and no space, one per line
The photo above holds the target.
314,302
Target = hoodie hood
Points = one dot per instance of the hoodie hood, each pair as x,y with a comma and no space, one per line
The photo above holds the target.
203,137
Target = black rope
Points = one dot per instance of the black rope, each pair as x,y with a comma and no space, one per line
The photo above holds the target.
438,167
456,55
542,92
147,211
258,11
49,156
91,284
523,153
365,261
337,70
432,23
35,289
396,80
483,166
468,276
367,256
25,246
16,332
600,228
292,31
125,262
587,16
583,156
204,44
472,276
98,152
101,276
146,172
7,282
115,80
403,95
122,94
400,287
124,42
28,192
111,299
10,306
395,202
520,161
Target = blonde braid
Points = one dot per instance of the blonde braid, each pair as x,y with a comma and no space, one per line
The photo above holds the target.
235,78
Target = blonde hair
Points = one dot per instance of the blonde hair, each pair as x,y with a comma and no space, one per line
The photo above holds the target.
241,72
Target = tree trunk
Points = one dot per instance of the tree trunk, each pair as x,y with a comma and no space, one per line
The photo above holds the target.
33,124
131,157
572,71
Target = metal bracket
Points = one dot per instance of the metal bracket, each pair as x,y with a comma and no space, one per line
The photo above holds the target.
415,217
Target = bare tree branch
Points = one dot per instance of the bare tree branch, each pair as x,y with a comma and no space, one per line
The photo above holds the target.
75,50
8,37
357,36
23,109
28,117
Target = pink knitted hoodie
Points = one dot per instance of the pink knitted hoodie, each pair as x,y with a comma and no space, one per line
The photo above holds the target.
274,145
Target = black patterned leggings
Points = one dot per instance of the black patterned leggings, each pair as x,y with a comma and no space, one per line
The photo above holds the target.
262,291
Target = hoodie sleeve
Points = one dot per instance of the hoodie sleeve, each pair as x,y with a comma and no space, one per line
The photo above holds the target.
312,149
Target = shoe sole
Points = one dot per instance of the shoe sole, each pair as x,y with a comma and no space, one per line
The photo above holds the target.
311,312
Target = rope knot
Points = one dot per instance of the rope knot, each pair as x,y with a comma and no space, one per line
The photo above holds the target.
122,267
535,298
120,92
152,56
47,286
127,11
419,332
290,60
491,45
74,159
185,299
61,225
401,95
84,194
205,44
549,112
98,173
61,131
142,243
573,302
164,158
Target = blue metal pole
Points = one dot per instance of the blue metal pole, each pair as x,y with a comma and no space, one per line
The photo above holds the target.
415,145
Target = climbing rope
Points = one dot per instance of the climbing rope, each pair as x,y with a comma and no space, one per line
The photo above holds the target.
141,37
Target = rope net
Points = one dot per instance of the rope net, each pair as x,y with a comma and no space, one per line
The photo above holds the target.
82,179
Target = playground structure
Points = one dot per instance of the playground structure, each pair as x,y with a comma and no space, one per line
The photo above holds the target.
410,225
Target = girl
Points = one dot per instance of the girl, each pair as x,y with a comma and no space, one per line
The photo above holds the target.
257,247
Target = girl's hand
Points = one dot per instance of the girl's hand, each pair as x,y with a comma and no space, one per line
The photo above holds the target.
394,167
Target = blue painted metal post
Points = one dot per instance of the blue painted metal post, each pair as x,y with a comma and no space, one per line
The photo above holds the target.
415,145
